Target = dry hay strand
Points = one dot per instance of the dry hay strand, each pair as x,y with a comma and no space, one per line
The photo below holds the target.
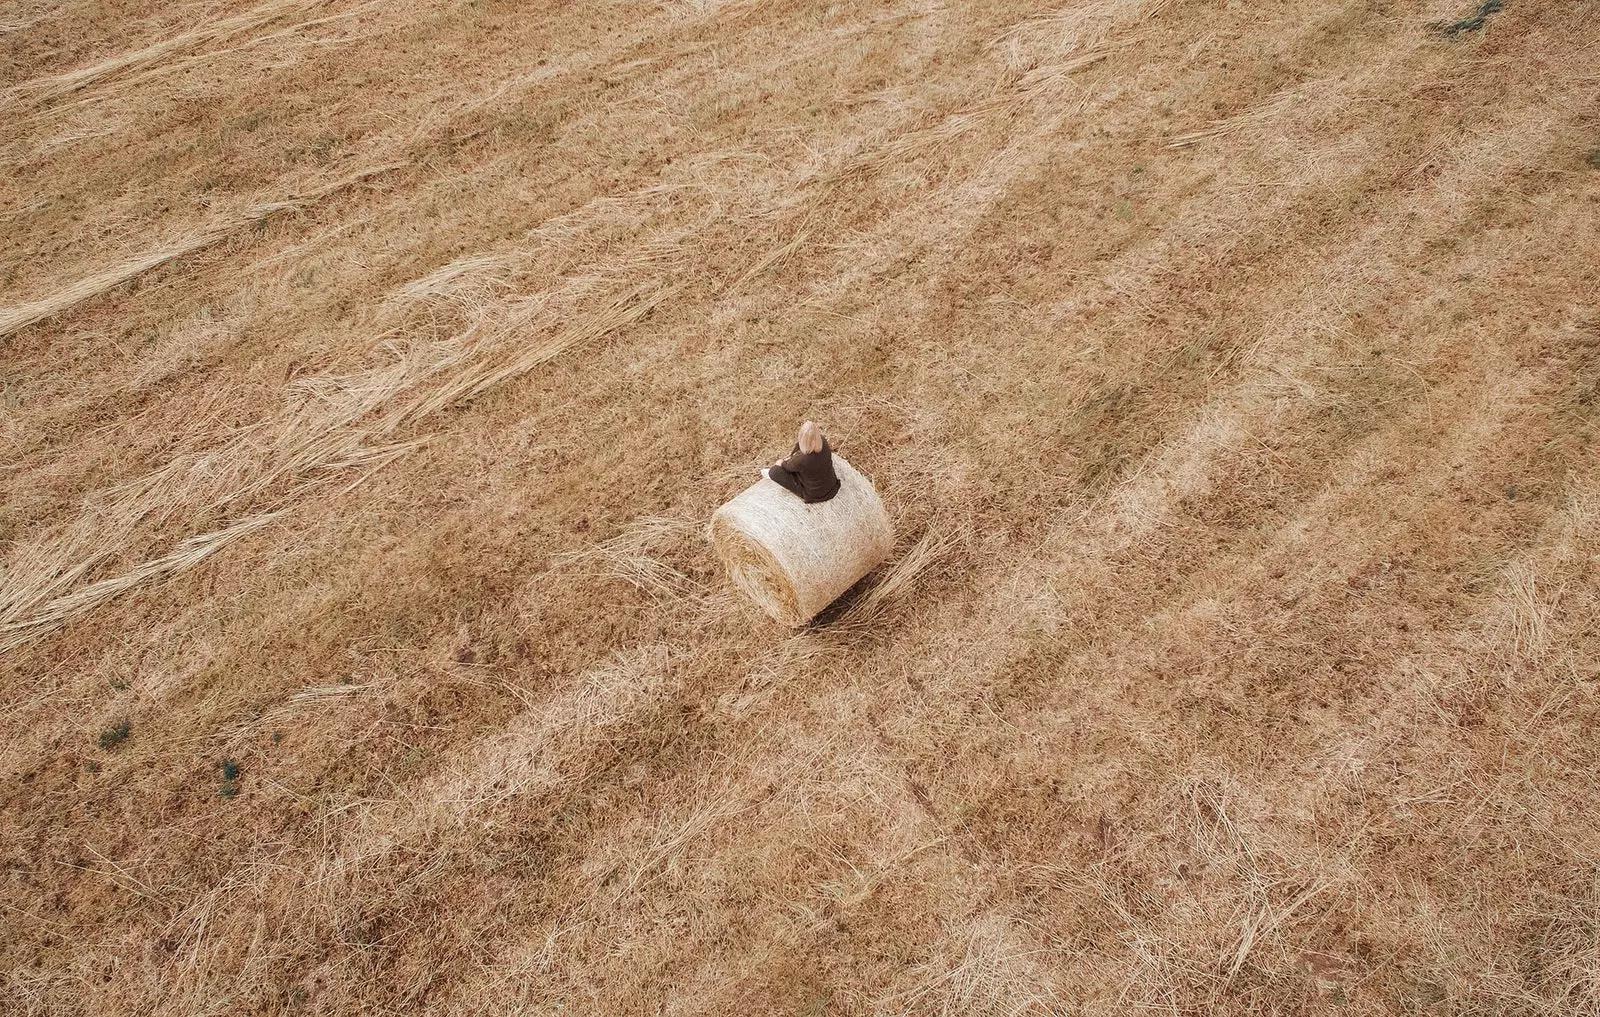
1519,625
19,17
766,262
186,555
30,589
983,969
1037,85
1256,115
1078,26
908,571
793,559
322,693
478,377
628,556
18,317
477,274
43,90
296,31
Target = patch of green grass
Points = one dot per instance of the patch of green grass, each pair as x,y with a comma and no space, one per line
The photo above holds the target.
230,779
1472,24
115,735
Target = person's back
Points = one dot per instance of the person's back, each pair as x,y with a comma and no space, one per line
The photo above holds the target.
808,471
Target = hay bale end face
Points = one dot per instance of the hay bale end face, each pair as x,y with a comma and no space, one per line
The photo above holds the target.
794,559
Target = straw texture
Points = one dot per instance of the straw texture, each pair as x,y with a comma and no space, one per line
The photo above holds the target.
794,559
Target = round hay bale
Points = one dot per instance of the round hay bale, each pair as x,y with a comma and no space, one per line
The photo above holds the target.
794,559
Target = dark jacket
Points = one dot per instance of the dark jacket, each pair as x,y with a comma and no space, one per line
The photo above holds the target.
808,474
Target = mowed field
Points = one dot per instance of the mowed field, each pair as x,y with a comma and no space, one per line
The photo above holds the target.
368,371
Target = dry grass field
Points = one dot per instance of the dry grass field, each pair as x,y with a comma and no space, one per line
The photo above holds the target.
368,371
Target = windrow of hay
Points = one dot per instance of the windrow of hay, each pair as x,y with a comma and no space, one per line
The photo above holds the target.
58,85
185,556
330,421
339,440
18,317
793,559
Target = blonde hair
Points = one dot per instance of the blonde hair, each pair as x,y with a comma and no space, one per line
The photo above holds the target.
810,437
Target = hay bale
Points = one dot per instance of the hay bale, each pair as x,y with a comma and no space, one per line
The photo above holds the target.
794,559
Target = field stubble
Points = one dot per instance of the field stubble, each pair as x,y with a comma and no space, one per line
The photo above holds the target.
367,373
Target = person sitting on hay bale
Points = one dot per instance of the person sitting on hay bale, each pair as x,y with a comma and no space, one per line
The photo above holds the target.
794,545
808,471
